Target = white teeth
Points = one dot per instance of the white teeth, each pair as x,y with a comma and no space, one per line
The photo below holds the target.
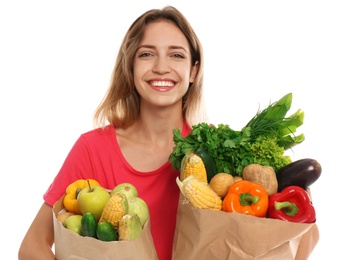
162,83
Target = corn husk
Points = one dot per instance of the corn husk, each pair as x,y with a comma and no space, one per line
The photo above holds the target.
130,227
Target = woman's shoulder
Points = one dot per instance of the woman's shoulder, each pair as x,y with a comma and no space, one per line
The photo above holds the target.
99,133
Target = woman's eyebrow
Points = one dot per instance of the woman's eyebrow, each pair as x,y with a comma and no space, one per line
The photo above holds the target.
172,47
177,47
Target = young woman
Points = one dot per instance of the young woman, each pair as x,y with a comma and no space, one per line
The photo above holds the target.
156,86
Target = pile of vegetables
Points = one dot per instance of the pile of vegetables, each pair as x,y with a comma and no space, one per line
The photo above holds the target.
263,140
90,210
247,171
260,192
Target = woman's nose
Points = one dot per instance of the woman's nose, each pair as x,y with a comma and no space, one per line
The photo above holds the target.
161,65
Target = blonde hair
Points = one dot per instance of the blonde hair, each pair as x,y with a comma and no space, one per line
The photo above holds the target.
120,105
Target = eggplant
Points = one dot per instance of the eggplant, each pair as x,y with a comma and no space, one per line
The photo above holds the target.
208,161
303,173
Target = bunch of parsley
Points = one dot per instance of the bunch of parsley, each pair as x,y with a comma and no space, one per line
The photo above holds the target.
263,140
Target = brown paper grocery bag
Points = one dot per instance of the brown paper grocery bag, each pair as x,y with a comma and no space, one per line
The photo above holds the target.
210,234
69,245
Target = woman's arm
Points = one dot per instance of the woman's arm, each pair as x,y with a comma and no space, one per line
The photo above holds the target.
39,239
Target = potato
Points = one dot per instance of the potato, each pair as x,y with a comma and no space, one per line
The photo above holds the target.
263,175
237,178
63,215
221,182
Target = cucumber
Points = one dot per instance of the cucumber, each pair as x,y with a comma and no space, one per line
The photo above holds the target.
106,232
88,225
303,173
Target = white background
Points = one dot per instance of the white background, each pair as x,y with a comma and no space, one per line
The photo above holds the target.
56,58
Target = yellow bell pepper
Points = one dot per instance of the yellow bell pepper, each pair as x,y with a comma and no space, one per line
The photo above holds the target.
70,199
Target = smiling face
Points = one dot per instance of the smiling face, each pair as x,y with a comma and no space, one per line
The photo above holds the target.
162,65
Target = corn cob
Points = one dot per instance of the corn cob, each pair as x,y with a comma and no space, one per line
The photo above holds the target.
199,193
192,164
115,209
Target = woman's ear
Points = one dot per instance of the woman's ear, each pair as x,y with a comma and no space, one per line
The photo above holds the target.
194,71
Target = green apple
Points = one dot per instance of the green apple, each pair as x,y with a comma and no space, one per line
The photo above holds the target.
93,199
138,206
73,222
127,189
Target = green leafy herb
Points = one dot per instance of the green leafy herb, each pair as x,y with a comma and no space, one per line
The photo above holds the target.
262,140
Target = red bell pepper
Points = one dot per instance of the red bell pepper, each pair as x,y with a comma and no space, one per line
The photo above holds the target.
292,204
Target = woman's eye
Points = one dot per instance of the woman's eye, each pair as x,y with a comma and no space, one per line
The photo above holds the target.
145,54
178,55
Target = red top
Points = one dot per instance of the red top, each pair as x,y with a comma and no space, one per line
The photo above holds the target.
96,155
